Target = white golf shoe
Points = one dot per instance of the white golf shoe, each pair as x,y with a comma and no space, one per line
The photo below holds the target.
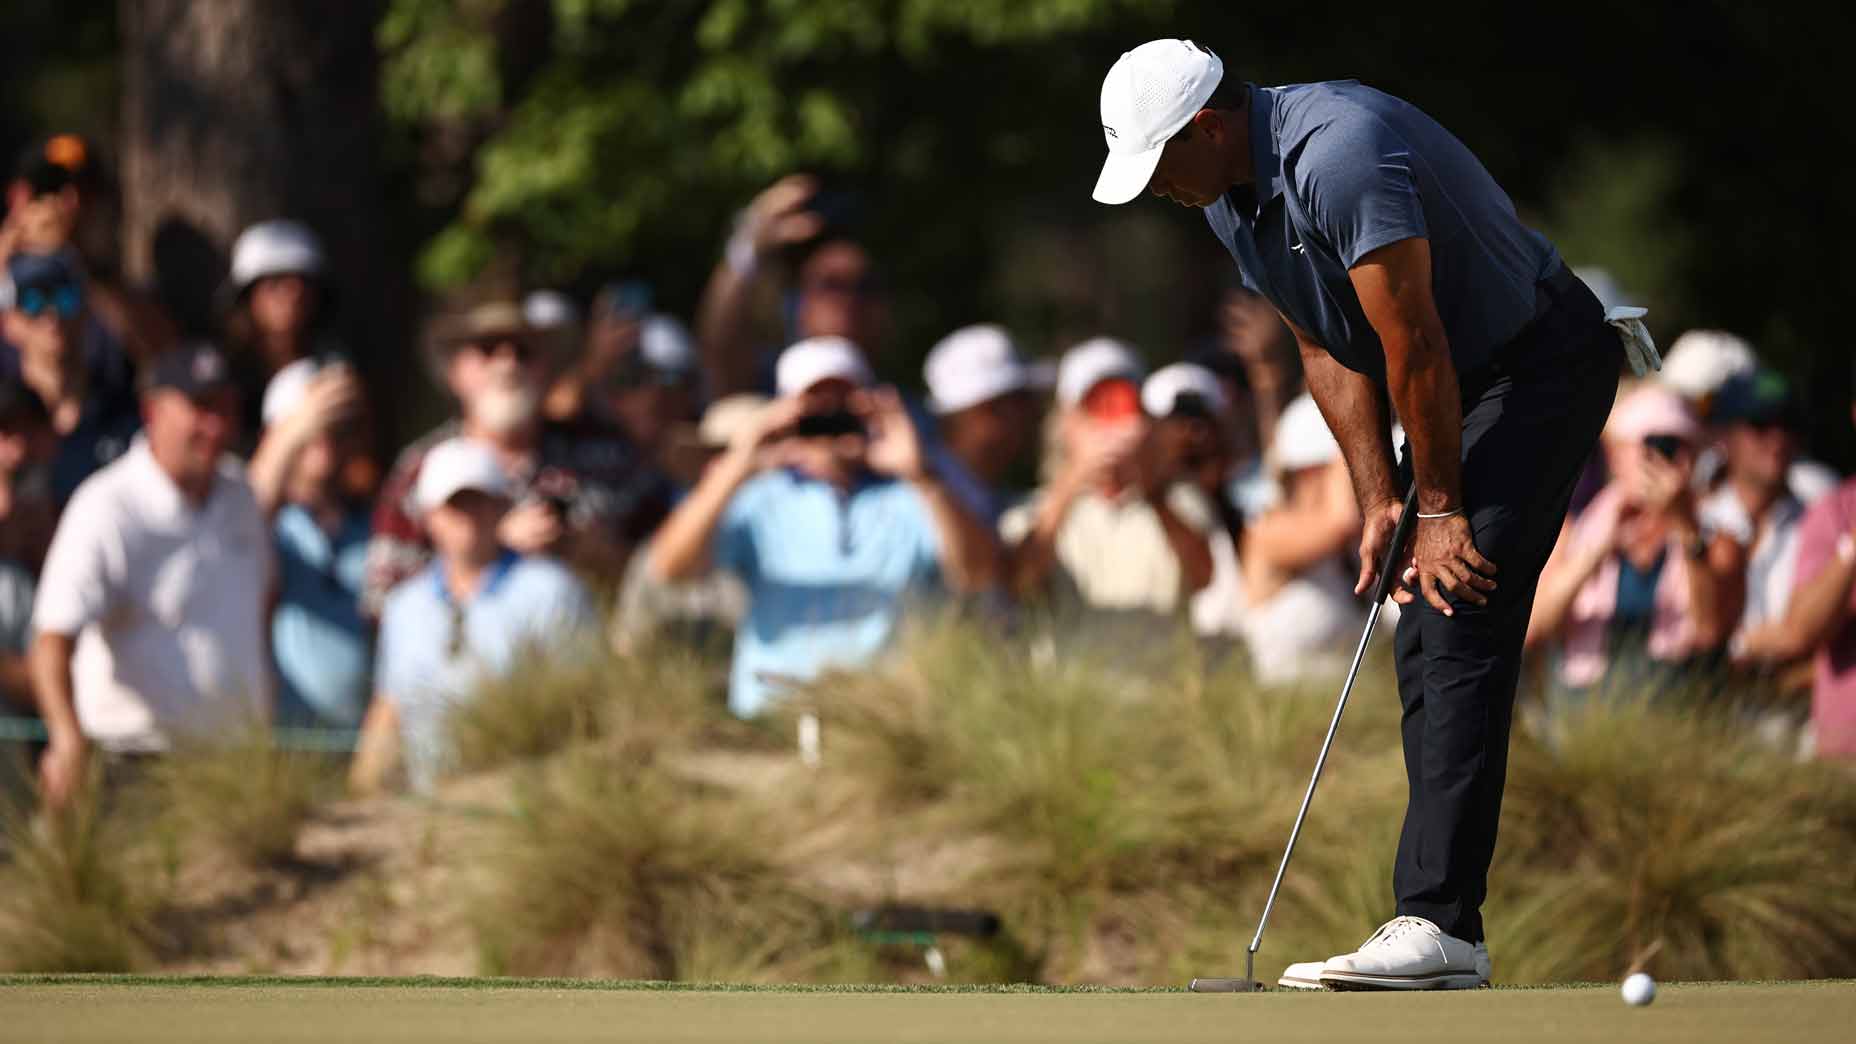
1408,953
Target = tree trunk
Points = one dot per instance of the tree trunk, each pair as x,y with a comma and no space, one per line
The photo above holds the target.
236,111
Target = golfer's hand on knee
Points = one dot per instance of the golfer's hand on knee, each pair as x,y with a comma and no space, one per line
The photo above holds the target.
1379,522
1445,559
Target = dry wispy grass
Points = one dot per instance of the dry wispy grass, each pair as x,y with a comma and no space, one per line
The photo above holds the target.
246,801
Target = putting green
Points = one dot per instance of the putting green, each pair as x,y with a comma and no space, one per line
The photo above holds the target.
110,1009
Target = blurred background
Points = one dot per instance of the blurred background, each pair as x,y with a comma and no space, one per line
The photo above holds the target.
1691,150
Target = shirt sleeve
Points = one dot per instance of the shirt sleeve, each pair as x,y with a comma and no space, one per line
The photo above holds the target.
1358,187
83,575
1823,523
732,546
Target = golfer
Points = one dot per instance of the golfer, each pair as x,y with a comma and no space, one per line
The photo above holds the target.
1411,286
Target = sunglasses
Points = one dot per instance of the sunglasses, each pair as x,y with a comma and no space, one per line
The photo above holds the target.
65,299
520,351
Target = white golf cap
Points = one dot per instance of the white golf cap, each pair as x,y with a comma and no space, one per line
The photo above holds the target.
1160,395
1302,437
818,359
1148,95
549,309
1701,361
974,364
287,388
273,248
1092,362
665,343
454,466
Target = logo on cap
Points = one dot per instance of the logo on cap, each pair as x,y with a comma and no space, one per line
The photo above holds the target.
207,367
1110,130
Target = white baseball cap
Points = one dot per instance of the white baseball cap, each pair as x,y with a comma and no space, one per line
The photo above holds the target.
974,364
454,466
1092,362
1302,437
287,388
1701,361
1149,94
1160,395
271,248
818,359
665,343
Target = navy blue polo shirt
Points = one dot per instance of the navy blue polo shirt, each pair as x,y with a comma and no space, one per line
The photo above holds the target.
1342,170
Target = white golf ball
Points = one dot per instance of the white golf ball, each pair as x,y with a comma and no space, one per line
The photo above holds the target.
1639,989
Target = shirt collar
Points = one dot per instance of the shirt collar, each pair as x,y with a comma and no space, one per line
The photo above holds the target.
1265,158
159,491
491,580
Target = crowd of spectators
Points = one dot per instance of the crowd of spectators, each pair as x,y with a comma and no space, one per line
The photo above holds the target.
196,536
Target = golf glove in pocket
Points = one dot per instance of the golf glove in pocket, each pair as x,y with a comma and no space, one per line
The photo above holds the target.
1638,347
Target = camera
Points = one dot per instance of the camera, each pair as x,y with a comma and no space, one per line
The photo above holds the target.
1665,446
828,425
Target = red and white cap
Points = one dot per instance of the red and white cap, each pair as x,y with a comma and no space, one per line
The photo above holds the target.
1147,97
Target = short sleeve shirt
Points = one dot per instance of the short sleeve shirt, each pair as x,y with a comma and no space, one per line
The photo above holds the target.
828,575
1115,552
1342,170
322,644
1833,692
166,599
434,653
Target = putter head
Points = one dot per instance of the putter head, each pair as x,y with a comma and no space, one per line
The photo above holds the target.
1225,986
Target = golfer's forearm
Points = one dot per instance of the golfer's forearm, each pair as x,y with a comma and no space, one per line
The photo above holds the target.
1423,384
50,663
1355,410
680,551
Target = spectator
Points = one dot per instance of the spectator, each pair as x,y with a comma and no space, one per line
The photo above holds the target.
1112,520
694,610
655,388
826,510
1819,621
321,645
27,515
278,306
835,292
980,393
56,204
150,614
556,320
1636,589
1696,367
89,390
618,315
1758,419
582,492
1293,601
465,618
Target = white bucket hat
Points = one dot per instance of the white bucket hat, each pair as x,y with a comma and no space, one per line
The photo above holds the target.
1148,96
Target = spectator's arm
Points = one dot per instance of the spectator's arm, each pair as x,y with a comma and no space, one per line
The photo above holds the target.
1092,457
16,681
682,548
1716,585
1570,565
61,768
776,218
333,397
377,750
970,552
1190,546
1292,541
397,548
1817,608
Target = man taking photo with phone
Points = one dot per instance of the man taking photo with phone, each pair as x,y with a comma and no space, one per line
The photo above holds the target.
827,510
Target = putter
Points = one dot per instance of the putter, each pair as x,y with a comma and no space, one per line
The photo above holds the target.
1382,588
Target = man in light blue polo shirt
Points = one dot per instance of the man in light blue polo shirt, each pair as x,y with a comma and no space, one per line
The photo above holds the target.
463,619
1409,282
826,509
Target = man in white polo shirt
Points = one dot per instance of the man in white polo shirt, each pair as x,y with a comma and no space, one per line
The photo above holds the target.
150,613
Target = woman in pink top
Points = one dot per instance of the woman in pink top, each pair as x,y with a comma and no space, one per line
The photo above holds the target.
1634,579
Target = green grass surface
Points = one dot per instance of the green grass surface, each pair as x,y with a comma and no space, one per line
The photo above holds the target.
112,1008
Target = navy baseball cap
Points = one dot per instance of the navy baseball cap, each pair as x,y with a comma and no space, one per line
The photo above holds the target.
195,370
1761,397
